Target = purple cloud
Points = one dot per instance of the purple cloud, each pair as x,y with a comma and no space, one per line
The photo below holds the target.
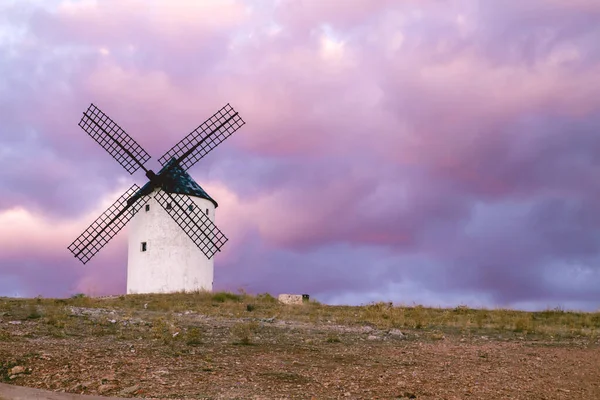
429,152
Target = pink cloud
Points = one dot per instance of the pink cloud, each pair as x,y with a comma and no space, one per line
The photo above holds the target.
378,133
128,22
35,241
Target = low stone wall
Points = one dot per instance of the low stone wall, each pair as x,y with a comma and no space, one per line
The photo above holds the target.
293,298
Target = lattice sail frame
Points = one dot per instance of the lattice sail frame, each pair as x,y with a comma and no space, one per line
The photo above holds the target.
105,227
113,139
195,223
205,138
127,152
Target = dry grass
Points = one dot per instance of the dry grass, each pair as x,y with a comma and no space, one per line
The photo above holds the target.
56,315
234,345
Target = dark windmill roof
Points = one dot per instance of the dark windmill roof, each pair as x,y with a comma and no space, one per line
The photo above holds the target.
176,180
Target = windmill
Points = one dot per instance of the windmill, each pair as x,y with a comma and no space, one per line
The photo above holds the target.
172,242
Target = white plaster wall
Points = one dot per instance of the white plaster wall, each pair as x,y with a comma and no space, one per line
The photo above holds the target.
172,262
290,298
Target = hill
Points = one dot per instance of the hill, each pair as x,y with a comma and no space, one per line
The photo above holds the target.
227,345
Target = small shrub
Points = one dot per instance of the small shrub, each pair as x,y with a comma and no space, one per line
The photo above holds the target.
56,316
559,310
193,337
223,297
417,314
522,324
5,336
502,318
480,318
380,306
333,338
244,332
250,307
595,320
461,309
33,312
163,330
266,298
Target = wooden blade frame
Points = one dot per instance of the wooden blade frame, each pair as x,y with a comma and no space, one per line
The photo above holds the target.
205,138
103,229
194,222
113,139
127,152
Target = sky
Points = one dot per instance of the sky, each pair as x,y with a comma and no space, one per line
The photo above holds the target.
422,152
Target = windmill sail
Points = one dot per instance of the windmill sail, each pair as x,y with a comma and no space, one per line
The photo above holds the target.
203,139
197,225
105,227
113,139
123,148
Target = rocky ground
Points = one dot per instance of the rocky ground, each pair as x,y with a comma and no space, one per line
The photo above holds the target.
190,355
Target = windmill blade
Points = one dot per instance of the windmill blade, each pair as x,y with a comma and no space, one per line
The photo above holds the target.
113,139
106,226
203,139
203,232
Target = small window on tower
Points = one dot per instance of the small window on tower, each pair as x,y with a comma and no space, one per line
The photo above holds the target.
168,206
207,211
144,246
147,207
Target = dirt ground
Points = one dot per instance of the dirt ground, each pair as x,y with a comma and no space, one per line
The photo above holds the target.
196,356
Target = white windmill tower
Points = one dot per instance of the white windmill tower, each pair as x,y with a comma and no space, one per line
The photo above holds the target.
173,237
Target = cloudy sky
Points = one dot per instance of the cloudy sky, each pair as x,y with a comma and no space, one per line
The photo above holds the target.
429,152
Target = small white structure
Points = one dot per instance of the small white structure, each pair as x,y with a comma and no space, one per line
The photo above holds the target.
161,256
293,298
